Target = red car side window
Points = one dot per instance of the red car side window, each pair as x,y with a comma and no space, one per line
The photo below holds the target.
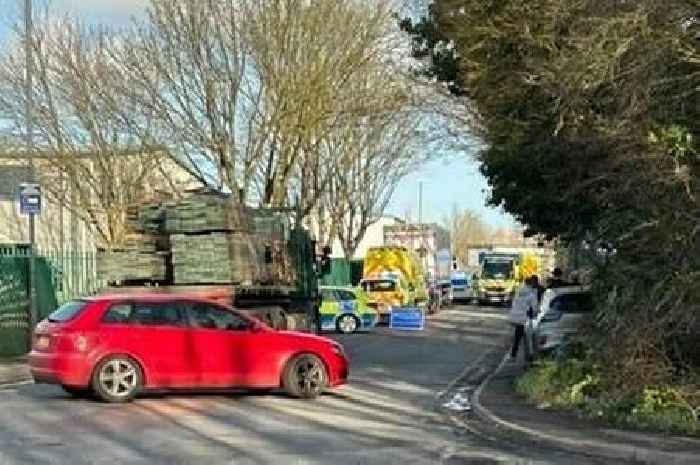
117,314
160,314
211,317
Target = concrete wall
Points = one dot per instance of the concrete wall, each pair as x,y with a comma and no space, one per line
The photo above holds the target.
53,228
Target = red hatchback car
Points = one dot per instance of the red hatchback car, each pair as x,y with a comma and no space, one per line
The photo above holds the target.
117,346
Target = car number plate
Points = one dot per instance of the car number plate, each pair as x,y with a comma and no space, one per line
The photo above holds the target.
43,342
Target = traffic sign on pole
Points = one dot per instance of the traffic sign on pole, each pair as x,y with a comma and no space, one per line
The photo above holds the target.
30,199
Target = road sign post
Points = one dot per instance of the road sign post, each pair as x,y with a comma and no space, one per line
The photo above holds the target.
30,205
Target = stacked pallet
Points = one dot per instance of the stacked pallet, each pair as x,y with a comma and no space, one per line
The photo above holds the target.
146,218
202,213
213,258
205,238
142,258
273,227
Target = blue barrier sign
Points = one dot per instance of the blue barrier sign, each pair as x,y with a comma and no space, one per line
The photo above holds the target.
30,199
407,318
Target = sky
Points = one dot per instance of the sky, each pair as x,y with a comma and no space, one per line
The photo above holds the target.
447,182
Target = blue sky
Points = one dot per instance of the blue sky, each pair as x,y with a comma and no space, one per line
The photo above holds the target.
452,181
446,182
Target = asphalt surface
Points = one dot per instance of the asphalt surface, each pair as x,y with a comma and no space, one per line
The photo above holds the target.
390,413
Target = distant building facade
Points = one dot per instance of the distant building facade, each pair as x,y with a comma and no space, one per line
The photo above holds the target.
59,227
374,237
426,240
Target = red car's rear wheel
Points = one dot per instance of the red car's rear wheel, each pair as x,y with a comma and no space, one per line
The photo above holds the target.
117,379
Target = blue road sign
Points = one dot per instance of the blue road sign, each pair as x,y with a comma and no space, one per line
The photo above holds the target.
30,199
407,318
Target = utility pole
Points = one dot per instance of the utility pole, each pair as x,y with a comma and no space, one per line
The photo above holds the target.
421,229
420,202
29,116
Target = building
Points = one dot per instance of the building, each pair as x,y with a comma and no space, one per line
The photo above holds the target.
374,237
69,219
429,241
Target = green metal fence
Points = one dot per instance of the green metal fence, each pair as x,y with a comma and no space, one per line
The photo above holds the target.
58,277
74,273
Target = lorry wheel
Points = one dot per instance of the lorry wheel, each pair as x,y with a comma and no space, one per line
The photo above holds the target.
279,319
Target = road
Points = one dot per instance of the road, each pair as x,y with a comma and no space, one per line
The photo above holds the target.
390,413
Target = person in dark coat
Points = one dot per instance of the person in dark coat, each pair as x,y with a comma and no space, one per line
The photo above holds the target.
557,280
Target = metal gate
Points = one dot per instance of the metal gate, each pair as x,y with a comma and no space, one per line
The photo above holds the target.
15,297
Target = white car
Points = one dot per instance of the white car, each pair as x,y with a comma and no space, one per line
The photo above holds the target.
562,312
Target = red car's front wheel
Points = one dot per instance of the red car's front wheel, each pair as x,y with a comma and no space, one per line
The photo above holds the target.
305,377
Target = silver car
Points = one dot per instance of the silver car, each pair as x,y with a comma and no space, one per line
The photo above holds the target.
561,314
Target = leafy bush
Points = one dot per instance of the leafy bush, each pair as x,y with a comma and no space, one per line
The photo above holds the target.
665,409
577,384
566,383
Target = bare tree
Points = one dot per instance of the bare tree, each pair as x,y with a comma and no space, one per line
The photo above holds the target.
314,60
383,153
187,82
243,91
467,228
87,158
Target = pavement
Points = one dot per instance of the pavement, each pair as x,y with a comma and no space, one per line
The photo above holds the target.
496,401
13,370
411,399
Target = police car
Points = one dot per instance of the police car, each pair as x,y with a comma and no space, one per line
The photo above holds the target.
345,310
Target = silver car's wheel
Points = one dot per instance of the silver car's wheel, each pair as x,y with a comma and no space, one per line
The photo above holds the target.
117,379
347,324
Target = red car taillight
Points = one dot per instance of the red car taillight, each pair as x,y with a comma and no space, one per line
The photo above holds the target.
63,342
42,342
